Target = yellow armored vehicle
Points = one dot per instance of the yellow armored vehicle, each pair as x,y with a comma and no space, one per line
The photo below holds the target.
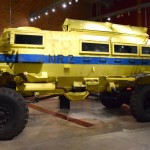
104,59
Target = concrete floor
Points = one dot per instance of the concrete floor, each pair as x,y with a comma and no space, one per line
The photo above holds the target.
111,130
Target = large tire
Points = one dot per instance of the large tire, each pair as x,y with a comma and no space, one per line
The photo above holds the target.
110,101
140,104
125,96
13,113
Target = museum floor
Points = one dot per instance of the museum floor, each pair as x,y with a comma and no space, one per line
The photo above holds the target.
86,126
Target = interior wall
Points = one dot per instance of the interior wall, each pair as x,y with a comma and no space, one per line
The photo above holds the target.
54,21
15,13
139,17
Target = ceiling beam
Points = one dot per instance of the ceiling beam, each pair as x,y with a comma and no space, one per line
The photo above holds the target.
145,5
51,6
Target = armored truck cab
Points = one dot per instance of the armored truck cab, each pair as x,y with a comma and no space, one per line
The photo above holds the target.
108,60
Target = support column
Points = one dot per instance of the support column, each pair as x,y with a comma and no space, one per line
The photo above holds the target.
64,103
139,14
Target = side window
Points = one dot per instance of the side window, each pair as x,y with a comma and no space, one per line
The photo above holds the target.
28,39
145,50
95,47
125,49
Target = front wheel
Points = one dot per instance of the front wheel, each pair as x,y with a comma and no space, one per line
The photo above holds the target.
13,113
140,104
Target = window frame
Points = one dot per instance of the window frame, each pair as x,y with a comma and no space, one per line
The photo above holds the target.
94,52
125,54
27,45
141,54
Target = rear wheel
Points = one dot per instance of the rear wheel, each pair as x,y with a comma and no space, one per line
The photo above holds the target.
140,104
110,100
13,113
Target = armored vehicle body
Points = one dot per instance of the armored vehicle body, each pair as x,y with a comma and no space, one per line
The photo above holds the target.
109,60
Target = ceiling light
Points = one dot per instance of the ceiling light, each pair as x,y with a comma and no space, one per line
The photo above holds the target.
53,10
35,18
64,5
76,1
39,16
108,19
46,13
70,2
31,19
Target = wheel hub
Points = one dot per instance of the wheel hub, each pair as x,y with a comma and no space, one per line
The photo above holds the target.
5,116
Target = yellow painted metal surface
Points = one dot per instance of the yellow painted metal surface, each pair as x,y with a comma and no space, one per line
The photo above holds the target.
36,87
115,32
75,96
72,58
